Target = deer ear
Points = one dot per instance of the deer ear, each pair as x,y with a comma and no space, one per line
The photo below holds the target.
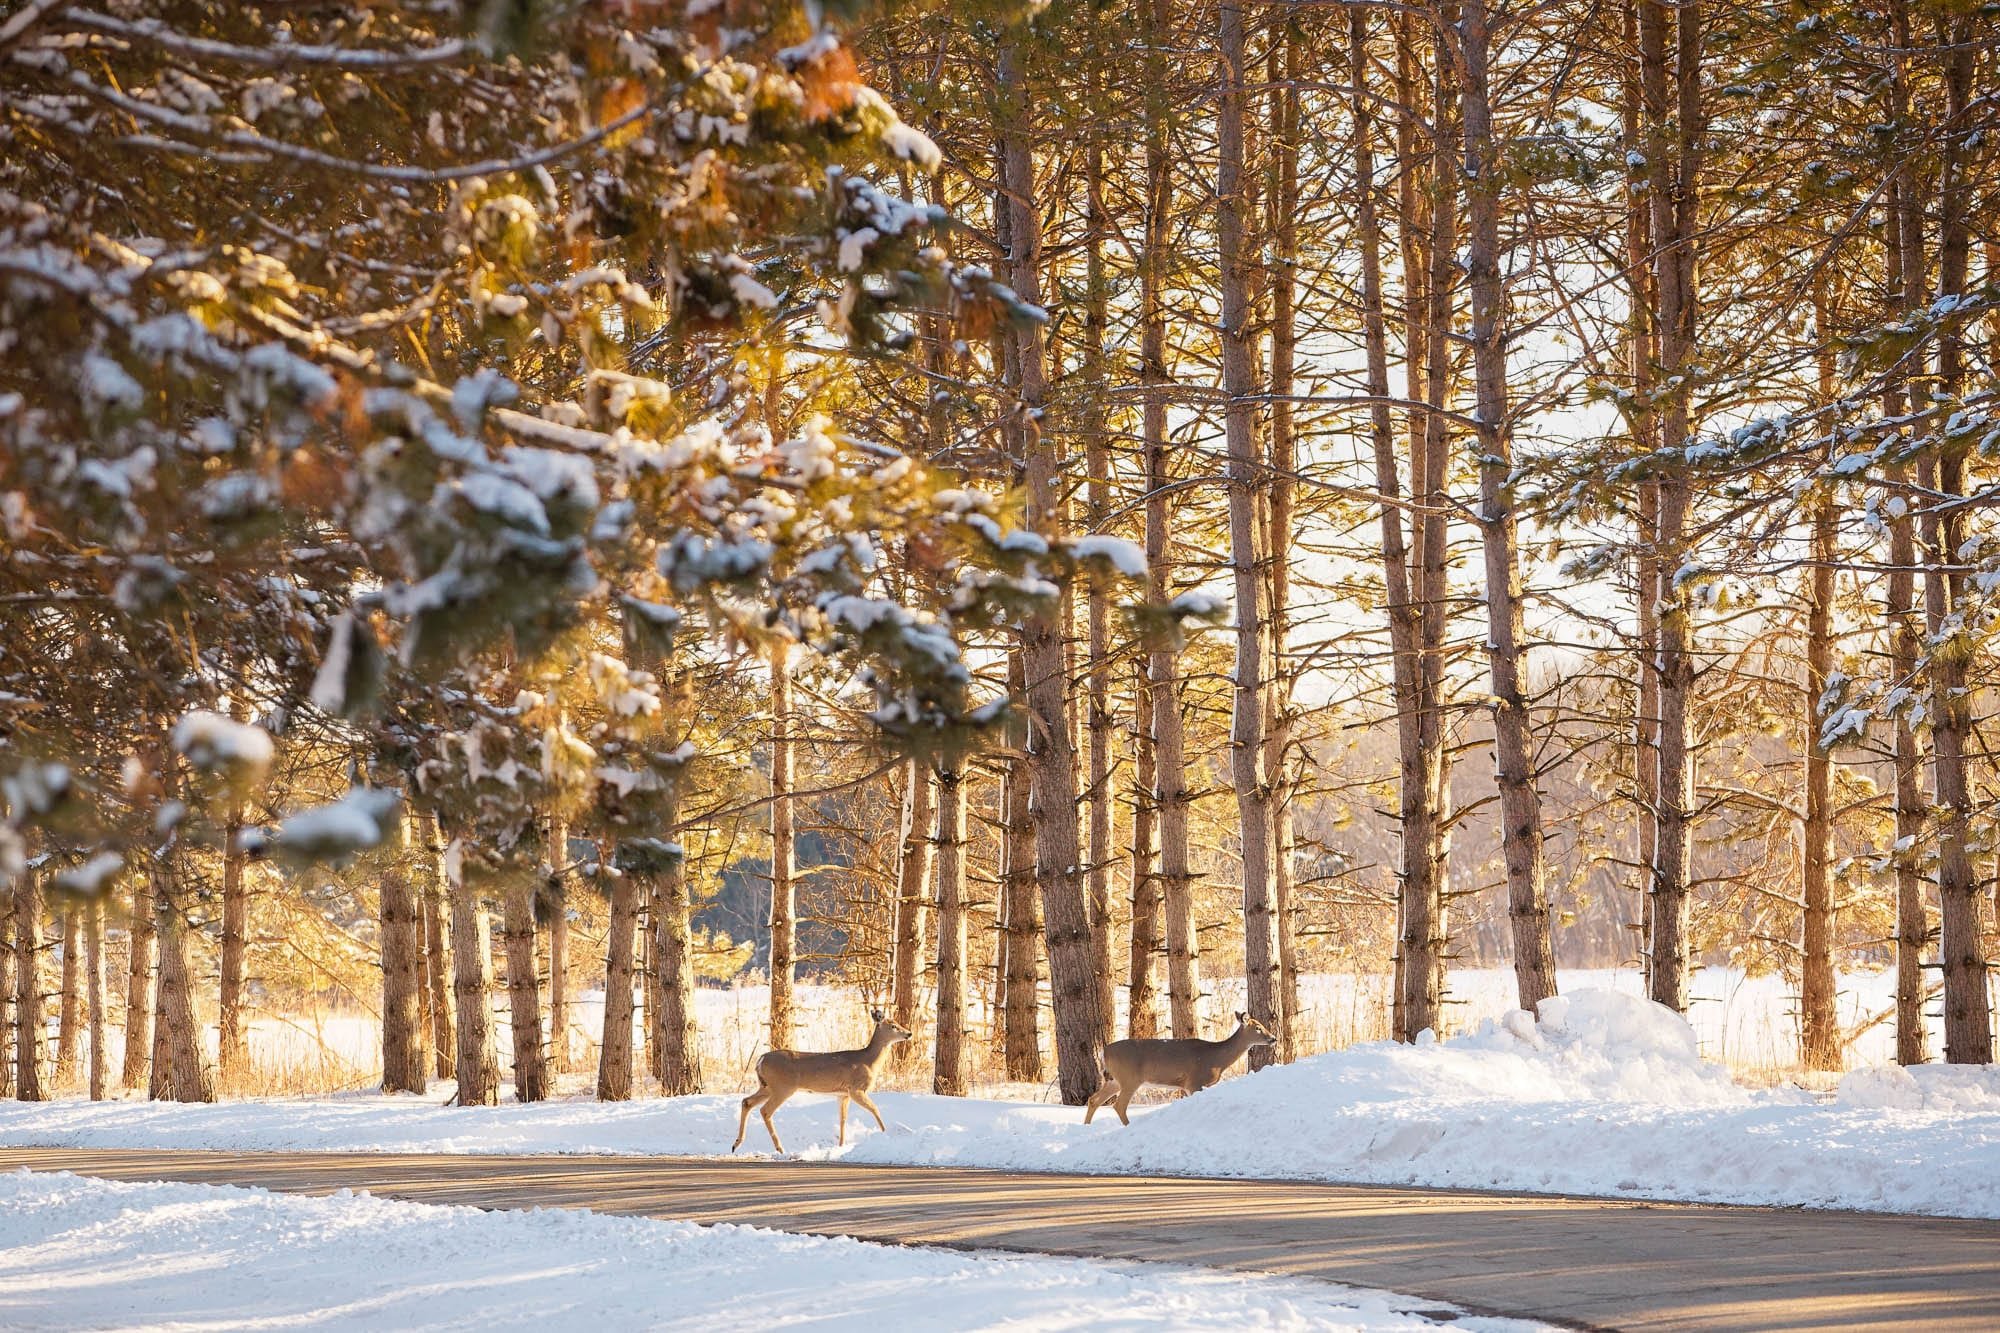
875,1014
1241,1016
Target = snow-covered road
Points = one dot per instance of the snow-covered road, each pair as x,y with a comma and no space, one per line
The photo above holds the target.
81,1253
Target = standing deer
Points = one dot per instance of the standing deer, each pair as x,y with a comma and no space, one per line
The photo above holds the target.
1187,1063
846,1074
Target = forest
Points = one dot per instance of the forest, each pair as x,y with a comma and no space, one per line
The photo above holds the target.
1054,521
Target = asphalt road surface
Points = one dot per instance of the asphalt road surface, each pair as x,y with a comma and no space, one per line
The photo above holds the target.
1589,1263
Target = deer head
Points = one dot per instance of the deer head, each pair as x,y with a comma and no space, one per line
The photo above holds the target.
887,1033
1261,1035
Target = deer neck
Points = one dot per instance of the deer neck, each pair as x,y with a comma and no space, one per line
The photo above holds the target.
875,1051
1235,1044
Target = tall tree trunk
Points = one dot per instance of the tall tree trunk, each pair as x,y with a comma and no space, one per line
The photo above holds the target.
1903,238
1097,465
1169,793
524,992
477,1062
1051,752
558,904
1287,71
1142,1007
1673,146
1246,731
913,876
1513,738
951,1077
8,898
69,1006
1401,611
403,1053
93,980
139,988
784,939
1968,1021
1819,1018
1432,242
1641,354
614,1052
29,1025
431,902
1020,1001
181,1071
232,1040
680,1045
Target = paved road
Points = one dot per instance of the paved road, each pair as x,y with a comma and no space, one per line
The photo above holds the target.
1584,1262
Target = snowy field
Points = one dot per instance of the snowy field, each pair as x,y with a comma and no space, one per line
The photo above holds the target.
80,1253
1749,1024
1606,1095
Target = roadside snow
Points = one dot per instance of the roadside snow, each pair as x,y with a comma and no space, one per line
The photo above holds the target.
82,1253
1605,1095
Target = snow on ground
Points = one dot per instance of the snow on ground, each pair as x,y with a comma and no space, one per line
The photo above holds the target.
81,1253
1606,1095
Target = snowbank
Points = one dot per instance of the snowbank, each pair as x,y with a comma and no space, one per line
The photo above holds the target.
76,1252
1604,1095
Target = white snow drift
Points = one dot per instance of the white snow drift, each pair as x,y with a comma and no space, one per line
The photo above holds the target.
81,1253
1604,1095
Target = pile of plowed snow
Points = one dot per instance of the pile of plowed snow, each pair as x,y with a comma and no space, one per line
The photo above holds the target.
1601,1093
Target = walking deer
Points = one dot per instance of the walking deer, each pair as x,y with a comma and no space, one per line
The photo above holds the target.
846,1074
1187,1063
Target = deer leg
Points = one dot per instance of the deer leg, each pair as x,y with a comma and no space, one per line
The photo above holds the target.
843,1121
862,1097
1105,1092
772,1103
1124,1099
743,1120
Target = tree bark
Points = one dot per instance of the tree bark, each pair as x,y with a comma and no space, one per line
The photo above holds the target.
69,1006
1021,923
951,1076
477,1062
1097,466
1142,1008
1400,610
1903,237
1673,147
29,1025
913,876
1246,480
139,989
1051,751
614,1052
1820,1045
181,1071
558,904
232,1041
93,975
431,901
784,940
680,1046
1169,793
8,898
1968,1022
403,1054
524,992
1513,738
1287,72
1430,224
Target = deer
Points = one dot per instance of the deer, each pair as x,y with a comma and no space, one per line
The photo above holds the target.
846,1074
1187,1063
